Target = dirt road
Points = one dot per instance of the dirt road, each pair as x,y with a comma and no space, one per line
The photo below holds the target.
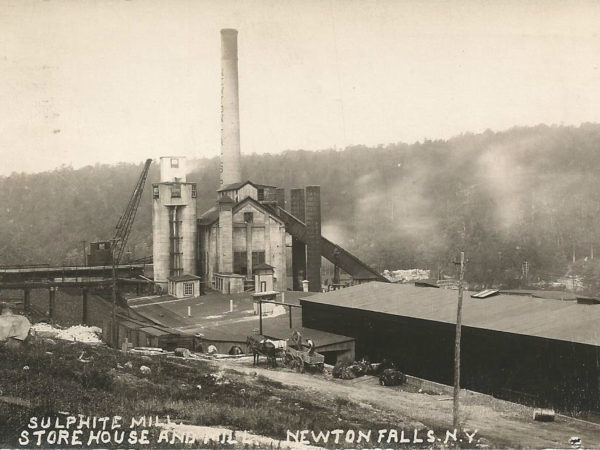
501,422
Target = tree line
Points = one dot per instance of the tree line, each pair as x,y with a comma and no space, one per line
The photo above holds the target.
524,204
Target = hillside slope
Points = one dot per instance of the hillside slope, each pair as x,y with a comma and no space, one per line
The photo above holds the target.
524,194
58,380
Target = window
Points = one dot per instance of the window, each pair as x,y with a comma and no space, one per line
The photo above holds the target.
248,217
258,258
194,191
188,289
155,191
176,190
261,195
174,163
240,264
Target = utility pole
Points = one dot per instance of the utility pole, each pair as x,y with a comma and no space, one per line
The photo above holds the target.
525,268
114,329
457,343
84,252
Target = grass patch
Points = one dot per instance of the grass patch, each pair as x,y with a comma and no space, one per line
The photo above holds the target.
56,380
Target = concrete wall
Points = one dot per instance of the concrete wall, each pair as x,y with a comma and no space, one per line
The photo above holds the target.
268,235
240,232
275,251
225,239
208,246
172,167
161,233
189,230
160,239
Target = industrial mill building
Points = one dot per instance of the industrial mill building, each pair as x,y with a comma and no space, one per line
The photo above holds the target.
249,224
541,351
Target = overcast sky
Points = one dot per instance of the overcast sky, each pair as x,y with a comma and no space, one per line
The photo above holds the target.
107,81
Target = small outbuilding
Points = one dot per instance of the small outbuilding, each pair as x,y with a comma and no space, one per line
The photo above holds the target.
186,285
263,277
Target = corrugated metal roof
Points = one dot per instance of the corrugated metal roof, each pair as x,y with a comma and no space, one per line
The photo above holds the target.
546,318
556,295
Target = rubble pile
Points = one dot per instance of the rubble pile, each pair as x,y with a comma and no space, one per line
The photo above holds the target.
76,333
406,276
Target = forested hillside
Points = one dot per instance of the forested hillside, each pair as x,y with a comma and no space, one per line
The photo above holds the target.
525,194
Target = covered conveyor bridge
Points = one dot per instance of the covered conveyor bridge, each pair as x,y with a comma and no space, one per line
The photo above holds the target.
330,251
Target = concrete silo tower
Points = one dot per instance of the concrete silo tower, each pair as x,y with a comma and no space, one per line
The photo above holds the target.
174,229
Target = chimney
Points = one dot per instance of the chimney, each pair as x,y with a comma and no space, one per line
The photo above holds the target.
298,247
231,171
312,220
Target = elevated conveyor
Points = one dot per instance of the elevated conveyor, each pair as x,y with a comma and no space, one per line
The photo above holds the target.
66,273
332,252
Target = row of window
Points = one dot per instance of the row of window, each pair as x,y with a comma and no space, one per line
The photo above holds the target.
240,262
260,194
175,191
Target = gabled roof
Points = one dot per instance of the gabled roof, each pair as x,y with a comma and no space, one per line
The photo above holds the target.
258,206
233,186
262,266
516,314
240,184
211,215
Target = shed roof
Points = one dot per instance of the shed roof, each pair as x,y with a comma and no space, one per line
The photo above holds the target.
184,277
525,315
264,294
225,199
153,331
274,326
209,216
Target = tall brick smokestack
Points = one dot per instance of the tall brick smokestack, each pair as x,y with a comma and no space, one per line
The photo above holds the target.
231,170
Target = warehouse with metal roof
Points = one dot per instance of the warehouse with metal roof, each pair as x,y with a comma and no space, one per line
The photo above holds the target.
541,351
